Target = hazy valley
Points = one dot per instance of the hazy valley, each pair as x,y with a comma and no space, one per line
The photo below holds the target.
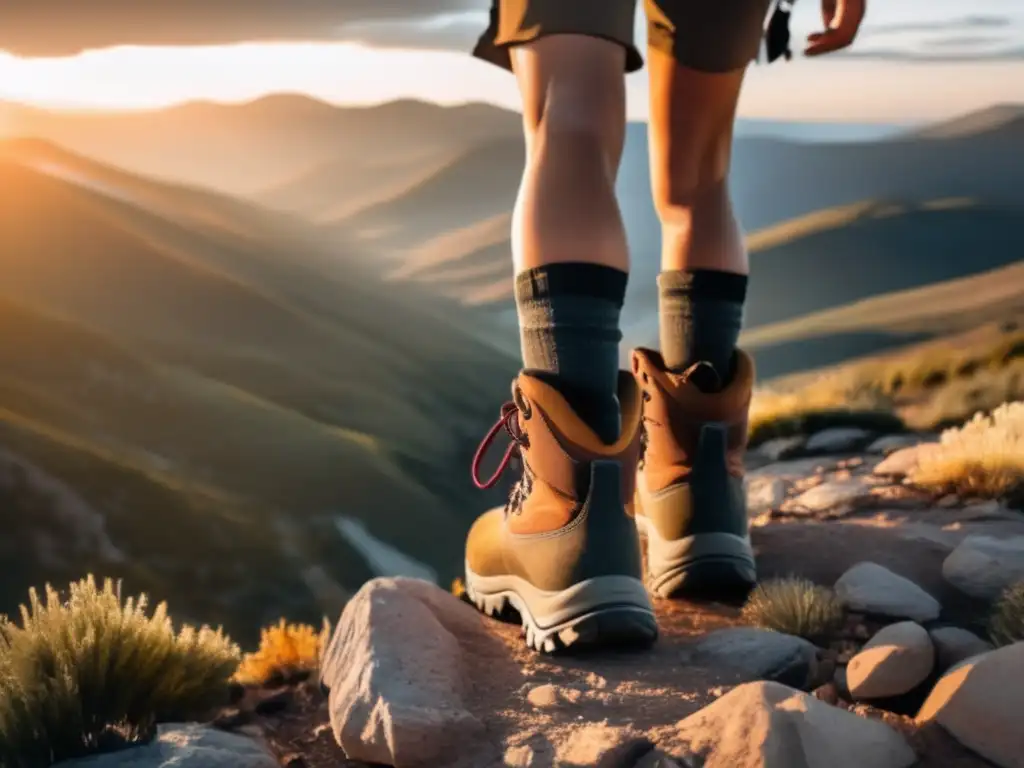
244,347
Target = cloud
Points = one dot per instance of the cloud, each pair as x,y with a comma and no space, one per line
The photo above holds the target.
1013,53
447,31
959,24
964,39
39,28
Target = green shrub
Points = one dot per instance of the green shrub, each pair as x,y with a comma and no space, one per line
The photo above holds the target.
795,606
1007,622
93,672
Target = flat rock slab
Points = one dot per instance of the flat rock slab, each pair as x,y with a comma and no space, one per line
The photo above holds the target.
871,588
758,654
185,746
831,495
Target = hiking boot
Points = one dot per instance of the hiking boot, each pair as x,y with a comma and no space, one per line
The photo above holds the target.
691,502
564,552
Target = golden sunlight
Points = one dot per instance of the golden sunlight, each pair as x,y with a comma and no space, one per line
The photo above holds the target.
149,77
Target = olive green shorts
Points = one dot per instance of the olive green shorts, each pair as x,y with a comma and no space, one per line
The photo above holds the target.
706,35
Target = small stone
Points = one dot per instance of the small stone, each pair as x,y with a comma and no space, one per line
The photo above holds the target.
891,443
549,696
767,725
185,746
871,588
230,719
760,654
983,566
980,703
837,440
780,448
895,661
902,462
832,494
765,494
600,744
794,469
953,645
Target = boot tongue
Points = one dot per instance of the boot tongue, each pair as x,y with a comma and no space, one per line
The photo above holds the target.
704,377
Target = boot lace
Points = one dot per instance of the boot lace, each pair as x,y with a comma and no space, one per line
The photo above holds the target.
509,421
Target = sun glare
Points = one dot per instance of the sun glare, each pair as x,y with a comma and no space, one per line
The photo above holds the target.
350,73
150,77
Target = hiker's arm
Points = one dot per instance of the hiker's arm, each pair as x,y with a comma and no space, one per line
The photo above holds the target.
841,21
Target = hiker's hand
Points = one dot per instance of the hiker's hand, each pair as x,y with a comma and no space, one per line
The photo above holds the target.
841,20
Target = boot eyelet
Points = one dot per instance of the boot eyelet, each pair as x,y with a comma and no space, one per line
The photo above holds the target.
522,403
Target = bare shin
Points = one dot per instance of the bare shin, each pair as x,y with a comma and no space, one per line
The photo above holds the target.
573,95
690,136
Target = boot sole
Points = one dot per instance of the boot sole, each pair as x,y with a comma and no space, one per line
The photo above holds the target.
603,612
710,566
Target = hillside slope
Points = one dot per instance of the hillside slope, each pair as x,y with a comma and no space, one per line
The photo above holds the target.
217,399
857,279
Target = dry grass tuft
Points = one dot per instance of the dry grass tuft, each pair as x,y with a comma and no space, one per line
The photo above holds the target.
984,457
795,606
287,653
1007,623
93,672
458,587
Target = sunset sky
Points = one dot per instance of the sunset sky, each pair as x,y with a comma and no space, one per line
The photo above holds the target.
916,59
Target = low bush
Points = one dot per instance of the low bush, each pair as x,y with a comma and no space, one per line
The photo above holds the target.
93,672
287,653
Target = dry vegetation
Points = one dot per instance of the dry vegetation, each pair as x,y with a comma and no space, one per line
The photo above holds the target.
984,457
287,653
1007,624
794,606
928,388
92,671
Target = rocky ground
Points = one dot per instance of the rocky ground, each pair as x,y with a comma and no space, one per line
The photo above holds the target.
419,678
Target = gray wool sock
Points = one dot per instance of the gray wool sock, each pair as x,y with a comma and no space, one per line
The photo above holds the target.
569,333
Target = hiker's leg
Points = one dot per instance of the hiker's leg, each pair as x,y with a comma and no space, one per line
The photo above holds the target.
568,241
696,73
691,503
563,550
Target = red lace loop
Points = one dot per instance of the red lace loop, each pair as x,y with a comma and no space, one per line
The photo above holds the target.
509,420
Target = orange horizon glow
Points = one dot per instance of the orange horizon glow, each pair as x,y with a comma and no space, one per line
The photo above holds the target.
143,78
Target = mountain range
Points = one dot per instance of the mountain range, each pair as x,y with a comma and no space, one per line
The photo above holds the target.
246,351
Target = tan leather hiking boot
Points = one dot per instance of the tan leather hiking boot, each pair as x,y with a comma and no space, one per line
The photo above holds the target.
563,552
690,498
